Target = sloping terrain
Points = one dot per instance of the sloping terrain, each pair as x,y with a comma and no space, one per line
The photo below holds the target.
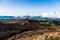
17,25
44,36
14,27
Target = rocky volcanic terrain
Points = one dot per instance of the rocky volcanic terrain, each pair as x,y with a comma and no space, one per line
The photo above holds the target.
24,29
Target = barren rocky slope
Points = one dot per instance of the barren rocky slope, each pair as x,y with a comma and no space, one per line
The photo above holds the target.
30,35
26,30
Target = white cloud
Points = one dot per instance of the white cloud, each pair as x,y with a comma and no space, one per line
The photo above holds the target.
51,15
4,12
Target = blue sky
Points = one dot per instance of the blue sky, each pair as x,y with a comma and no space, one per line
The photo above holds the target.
45,8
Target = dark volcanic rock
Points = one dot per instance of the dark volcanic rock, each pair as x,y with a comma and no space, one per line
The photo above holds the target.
18,26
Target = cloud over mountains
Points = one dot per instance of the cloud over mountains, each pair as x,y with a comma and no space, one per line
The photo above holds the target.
44,14
44,8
